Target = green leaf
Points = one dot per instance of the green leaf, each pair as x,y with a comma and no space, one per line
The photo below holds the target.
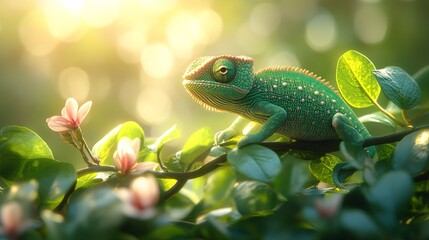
104,148
377,117
358,225
412,153
355,80
55,178
167,136
398,86
198,146
255,162
100,207
293,177
389,195
253,197
323,168
18,145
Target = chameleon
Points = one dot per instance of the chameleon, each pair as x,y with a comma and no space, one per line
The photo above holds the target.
287,100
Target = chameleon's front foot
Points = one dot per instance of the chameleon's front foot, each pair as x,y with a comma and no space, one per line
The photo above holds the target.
249,139
225,135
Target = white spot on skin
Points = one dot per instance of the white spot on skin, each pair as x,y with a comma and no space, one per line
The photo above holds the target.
298,108
284,84
322,103
300,88
275,86
316,93
303,100
334,101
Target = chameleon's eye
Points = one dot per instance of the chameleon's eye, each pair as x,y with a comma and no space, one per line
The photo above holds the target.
223,70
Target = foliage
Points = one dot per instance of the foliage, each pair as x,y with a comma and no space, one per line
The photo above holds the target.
273,190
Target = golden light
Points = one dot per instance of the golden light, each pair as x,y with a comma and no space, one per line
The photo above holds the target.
321,32
63,20
130,45
157,60
100,13
153,105
265,18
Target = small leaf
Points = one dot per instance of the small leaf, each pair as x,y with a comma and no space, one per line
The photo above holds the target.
354,154
17,145
55,178
293,177
377,117
398,86
198,146
355,80
105,147
412,153
255,162
358,225
167,136
253,197
323,168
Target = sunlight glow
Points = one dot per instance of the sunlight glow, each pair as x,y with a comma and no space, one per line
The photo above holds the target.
130,45
34,35
157,60
63,21
100,13
74,82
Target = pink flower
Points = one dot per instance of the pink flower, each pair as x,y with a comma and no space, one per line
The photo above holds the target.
141,197
12,218
126,156
71,116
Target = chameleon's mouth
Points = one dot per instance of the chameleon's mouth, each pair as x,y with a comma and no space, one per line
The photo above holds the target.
201,84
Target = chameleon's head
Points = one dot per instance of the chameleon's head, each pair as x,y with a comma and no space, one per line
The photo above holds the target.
215,81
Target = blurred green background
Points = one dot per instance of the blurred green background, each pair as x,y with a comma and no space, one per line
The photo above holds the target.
128,56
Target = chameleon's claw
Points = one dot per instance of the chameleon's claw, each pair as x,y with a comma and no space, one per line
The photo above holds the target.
225,135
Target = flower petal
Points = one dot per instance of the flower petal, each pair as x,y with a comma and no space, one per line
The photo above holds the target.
144,166
58,124
71,109
83,111
135,144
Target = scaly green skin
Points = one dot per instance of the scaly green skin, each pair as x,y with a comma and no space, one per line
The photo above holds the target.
287,100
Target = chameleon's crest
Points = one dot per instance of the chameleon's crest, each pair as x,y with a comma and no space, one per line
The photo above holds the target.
299,70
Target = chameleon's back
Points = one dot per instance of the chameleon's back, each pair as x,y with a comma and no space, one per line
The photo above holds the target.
310,103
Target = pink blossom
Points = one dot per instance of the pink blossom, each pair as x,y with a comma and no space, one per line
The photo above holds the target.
12,218
71,116
126,156
141,197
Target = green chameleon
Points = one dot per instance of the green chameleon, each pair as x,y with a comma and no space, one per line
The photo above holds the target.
286,100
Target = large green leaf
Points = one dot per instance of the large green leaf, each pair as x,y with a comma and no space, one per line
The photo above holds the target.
104,148
412,153
323,168
391,194
355,80
255,162
252,197
198,146
55,178
398,86
18,145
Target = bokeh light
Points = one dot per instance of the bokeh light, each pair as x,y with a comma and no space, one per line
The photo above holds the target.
74,82
371,24
321,32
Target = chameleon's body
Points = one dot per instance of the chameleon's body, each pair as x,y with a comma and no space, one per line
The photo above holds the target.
287,100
